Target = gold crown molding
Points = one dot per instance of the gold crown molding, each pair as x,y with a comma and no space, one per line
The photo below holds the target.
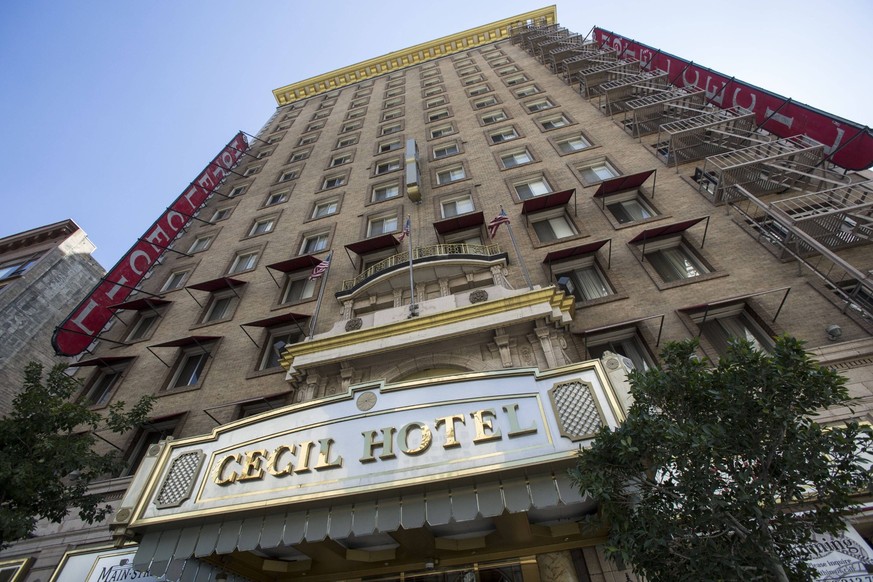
560,302
409,57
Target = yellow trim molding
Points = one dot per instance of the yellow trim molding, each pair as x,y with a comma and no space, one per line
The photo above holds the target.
562,306
409,57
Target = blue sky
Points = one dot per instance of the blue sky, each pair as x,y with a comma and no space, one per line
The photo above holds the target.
112,107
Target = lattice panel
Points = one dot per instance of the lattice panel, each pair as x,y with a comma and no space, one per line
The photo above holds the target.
179,481
576,409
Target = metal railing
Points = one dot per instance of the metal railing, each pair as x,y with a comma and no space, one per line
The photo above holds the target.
441,250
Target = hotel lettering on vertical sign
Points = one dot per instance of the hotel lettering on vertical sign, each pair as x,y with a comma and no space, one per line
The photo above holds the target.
850,144
86,321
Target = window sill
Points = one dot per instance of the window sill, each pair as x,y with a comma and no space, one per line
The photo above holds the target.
691,281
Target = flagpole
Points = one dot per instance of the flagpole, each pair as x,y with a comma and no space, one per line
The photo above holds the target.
413,308
320,295
517,254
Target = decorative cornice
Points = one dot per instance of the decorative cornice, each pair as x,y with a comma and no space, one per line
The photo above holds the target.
562,309
409,57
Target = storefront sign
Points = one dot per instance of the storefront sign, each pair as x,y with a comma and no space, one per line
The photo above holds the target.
107,565
851,143
87,320
380,437
842,558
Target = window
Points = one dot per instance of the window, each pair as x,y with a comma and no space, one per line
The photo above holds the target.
394,92
175,280
388,166
445,151
390,146
527,91
552,228
333,182
189,368
554,122
17,267
381,225
626,343
314,243
432,91
629,207
275,346
351,126
675,262
507,70
455,206
320,115
734,324
503,135
432,81
275,138
392,114
494,117
514,159
441,131
325,208
389,129
480,90
276,198
450,175
586,283
143,326
287,175
262,226
99,389
573,144
516,80
220,214
299,156
340,160
307,140
532,188
539,105
145,438
385,192
392,103
314,126
220,307
264,153
356,113
244,262
473,80
299,288
359,103
437,115
486,102
597,172
435,102
236,191
201,243
347,141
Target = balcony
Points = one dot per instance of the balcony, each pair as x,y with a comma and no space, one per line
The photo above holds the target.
449,253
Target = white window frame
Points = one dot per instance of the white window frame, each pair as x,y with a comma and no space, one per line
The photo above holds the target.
459,205
333,182
441,131
272,353
180,372
200,244
532,188
314,243
264,225
383,224
516,158
221,307
494,117
451,175
387,166
298,282
569,141
143,327
332,207
559,224
382,192
446,150
275,198
595,172
668,254
175,280
502,133
245,261
554,122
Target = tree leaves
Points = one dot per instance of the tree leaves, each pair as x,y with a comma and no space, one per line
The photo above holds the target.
47,455
721,473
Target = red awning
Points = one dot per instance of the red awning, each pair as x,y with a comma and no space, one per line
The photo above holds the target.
552,200
674,228
187,341
295,264
376,243
277,319
576,251
217,284
622,184
141,304
102,361
459,222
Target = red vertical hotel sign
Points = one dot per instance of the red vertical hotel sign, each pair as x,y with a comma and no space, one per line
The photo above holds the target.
86,321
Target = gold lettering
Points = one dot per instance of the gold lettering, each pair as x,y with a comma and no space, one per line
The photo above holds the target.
514,429
303,459
273,467
485,424
324,461
219,479
450,421
252,470
403,438
387,444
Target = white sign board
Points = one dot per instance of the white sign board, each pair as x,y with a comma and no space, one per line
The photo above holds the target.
844,558
108,565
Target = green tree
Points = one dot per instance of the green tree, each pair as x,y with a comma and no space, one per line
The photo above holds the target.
47,453
723,473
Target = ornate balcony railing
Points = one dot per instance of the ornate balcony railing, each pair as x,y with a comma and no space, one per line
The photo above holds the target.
433,251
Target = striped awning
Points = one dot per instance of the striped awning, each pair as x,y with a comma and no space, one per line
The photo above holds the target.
159,549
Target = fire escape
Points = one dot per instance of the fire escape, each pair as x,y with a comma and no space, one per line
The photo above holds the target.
782,190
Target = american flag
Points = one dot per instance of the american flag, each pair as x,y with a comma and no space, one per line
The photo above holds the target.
405,232
495,223
321,268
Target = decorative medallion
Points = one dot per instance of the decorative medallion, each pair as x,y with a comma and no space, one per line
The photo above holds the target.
354,323
478,296
366,401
